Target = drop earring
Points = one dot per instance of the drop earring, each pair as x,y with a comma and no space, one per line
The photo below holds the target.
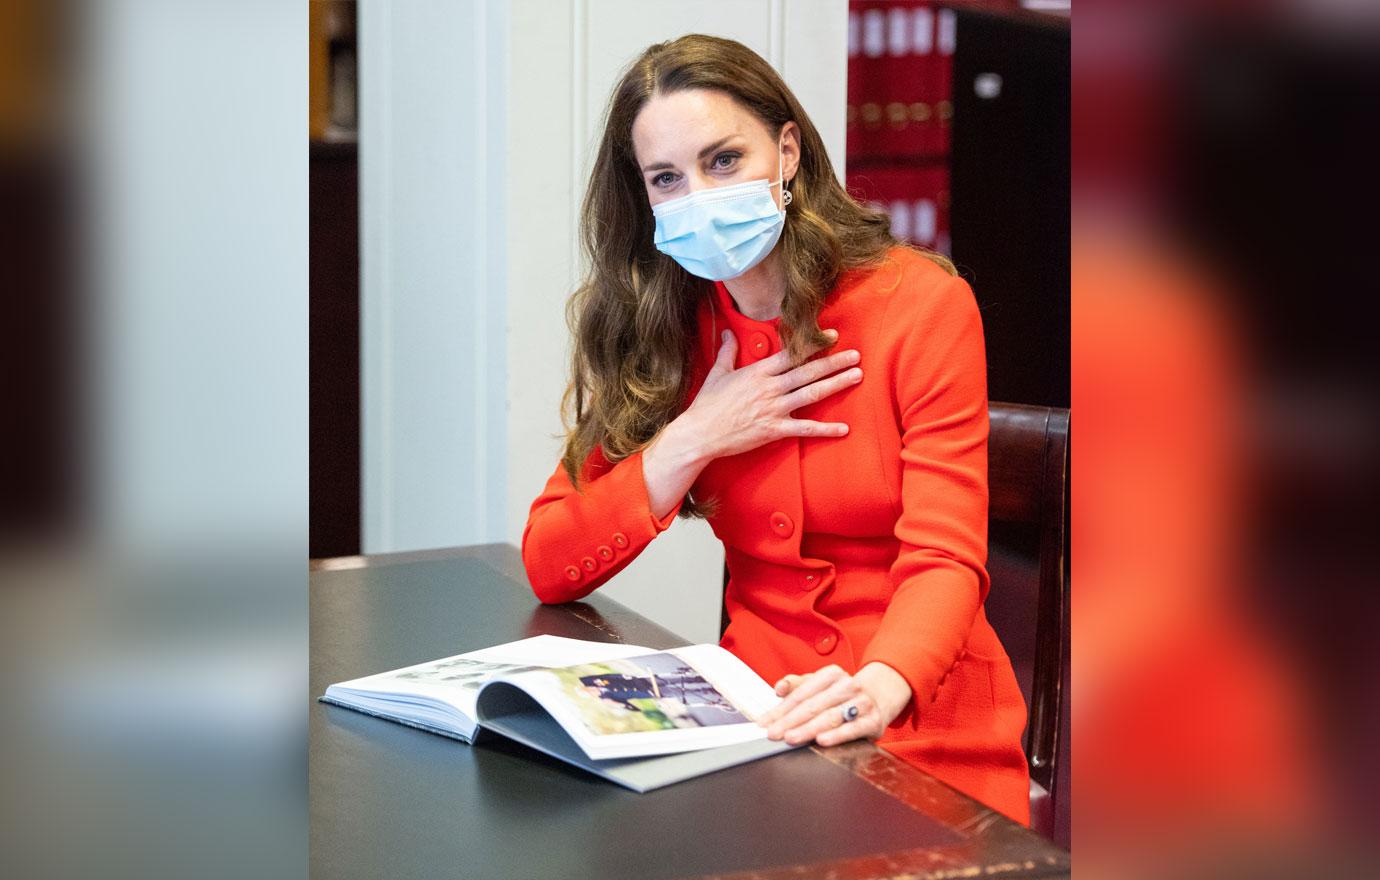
781,179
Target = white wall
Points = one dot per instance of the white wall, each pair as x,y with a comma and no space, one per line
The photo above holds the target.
432,262
561,61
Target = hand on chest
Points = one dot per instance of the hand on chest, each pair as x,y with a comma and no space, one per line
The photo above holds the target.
840,485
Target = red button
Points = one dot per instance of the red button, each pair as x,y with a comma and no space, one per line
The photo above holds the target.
759,345
782,525
605,552
809,582
572,572
589,563
825,643
620,540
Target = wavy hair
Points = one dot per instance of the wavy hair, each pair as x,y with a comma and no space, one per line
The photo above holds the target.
634,315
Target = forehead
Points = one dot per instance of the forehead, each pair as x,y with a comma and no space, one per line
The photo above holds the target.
673,126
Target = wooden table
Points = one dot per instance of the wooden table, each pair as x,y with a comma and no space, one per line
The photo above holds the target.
389,800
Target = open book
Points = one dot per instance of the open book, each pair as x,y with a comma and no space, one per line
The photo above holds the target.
638,717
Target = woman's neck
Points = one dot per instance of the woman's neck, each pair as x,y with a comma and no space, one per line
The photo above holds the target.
759,291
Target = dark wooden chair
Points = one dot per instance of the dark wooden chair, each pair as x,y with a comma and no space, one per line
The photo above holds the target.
1028,485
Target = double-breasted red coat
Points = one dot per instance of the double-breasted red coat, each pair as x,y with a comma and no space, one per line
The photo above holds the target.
844,550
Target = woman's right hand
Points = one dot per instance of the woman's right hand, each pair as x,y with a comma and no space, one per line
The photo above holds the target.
739,410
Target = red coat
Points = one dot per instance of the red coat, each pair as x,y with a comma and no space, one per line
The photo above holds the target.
845,550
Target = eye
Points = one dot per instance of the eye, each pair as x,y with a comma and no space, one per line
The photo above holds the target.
725,161
664,179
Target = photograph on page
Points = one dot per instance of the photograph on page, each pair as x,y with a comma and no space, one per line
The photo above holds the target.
642,694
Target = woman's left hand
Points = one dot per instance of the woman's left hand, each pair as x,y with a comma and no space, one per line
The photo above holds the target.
814,703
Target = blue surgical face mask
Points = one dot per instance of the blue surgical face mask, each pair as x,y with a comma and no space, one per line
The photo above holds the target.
722,232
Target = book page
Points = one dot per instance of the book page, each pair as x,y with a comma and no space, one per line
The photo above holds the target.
653,703
455,681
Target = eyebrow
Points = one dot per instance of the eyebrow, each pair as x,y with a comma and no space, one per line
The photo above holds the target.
660,166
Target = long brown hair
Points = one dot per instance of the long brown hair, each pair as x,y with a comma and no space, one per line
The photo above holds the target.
634,316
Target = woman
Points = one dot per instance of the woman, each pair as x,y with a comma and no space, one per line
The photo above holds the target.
853,510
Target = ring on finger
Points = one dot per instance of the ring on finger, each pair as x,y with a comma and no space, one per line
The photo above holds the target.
848,711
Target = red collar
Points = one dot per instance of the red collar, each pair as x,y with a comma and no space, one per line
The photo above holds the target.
726,306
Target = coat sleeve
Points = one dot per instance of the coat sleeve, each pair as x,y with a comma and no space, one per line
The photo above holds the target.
939,577
575,541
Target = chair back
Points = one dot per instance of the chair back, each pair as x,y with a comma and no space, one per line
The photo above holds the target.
1027,478
1028,488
